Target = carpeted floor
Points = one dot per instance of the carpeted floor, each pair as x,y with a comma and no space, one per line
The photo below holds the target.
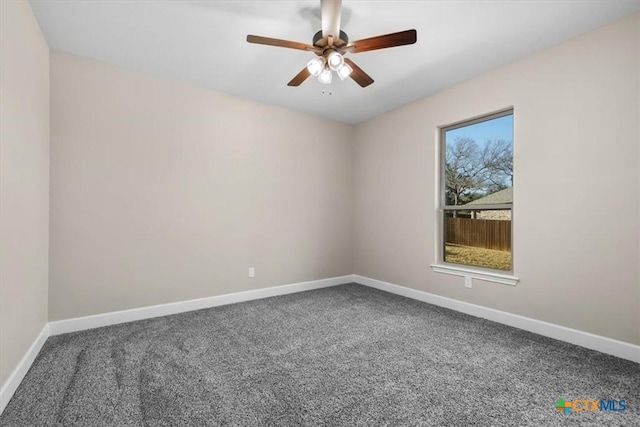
347,355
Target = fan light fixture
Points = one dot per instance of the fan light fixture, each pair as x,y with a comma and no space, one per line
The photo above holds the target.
325,76
315,66
322,66
344,71
335,60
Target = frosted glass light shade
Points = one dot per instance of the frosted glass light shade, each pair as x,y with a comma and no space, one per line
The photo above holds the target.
335,60
315,66
325,76
344,71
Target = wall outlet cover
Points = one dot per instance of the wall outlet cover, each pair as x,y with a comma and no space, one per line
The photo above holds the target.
468,282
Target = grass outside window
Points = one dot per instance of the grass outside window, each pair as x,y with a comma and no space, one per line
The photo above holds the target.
481,257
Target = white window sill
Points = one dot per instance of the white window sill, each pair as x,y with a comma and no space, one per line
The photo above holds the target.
505,279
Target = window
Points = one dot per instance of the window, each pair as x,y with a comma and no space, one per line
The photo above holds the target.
476,194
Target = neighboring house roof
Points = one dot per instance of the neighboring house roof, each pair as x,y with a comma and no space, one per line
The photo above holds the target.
502,196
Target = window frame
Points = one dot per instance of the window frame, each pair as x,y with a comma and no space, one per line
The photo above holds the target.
506,277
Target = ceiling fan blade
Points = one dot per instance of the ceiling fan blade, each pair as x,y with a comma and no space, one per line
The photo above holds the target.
330,15
281,43
382,42
299,78
362,78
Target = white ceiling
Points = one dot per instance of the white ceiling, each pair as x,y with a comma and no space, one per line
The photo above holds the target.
204,43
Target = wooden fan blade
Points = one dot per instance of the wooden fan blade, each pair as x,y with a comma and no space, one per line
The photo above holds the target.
362,78
299,78
382,42
330,16
280,43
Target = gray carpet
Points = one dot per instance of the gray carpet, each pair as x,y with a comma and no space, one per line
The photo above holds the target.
347,355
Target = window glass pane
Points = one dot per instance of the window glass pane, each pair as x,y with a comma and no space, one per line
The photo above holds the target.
478,173
479,163
478,237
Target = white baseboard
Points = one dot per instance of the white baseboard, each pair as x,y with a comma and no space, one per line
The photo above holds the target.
602,344
88,322
11,385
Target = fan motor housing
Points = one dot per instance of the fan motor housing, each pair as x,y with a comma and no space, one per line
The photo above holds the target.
318,36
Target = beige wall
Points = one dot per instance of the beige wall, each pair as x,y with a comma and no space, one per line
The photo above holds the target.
576,150
162,192
24,182
638,122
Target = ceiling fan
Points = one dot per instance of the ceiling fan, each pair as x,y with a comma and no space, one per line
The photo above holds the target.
331,44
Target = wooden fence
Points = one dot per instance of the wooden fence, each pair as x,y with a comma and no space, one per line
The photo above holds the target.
481,233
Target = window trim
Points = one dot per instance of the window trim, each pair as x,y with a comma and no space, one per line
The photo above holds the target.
475,273
506,277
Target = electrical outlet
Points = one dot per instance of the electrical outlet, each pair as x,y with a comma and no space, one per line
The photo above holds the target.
252,272
467,282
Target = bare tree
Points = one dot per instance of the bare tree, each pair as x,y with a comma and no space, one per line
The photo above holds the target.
461,170
497,157
471,170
